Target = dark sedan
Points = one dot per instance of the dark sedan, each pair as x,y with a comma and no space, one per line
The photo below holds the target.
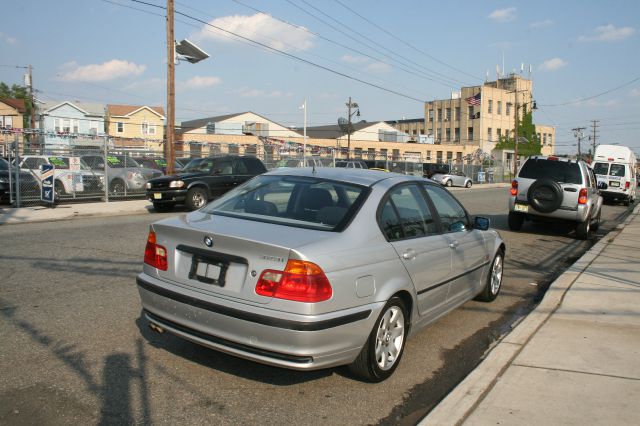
29,186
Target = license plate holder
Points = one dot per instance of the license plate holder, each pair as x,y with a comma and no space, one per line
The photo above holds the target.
523,208
157,196
208,271
614,183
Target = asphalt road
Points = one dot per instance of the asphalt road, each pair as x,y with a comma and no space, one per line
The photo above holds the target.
75,350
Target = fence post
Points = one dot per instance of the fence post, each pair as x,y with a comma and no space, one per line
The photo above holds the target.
106,173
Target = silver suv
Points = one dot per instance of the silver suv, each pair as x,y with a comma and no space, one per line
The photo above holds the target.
554,189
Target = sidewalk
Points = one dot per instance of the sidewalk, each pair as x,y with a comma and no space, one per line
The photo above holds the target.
575,359
9,215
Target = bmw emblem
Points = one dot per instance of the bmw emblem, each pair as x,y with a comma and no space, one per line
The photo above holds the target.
208,241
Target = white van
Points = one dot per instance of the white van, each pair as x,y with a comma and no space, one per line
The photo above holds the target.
615,166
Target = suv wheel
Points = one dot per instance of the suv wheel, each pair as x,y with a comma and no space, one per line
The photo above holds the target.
545,195
196,198
515,221
583,229
596,222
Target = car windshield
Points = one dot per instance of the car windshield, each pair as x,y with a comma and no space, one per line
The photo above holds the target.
559,171
601,168
4,165
194,165
293,201
121,161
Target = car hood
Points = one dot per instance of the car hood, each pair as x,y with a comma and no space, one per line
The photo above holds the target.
179,176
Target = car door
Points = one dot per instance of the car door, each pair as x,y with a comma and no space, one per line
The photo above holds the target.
466,245
408,224
220,176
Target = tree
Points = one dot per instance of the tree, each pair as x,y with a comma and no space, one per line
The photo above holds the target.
18,92
529,143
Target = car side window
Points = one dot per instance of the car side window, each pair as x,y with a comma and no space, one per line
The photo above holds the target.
405,214
241,167
452,215
224,167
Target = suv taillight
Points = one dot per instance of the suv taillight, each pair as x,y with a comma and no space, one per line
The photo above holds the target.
300,281
582,196
155,255
514,188
627,184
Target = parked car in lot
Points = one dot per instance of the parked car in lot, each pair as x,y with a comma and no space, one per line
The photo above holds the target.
308,269
29,185
555,189
157,163
201,181
66,181
124,173
453,178
352,164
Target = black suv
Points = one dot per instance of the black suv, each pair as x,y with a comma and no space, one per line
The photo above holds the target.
204,179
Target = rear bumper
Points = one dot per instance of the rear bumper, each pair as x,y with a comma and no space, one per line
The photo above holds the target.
620,194
299,342
578,214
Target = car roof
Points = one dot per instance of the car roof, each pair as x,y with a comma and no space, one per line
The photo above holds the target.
363,177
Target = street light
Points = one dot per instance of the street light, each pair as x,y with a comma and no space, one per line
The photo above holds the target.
350,106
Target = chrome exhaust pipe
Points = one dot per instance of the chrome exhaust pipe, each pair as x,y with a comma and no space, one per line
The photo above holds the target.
156,328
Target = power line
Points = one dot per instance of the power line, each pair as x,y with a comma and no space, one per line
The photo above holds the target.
595,96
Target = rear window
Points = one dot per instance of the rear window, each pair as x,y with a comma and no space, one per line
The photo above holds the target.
293,201
618,170
559,171
601,168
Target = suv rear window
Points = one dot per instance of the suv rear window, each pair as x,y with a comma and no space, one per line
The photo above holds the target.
559,171
618,170
601,168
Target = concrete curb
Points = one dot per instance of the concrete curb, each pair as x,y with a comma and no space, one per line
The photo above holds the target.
467,395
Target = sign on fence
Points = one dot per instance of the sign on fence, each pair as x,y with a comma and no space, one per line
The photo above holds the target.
47,194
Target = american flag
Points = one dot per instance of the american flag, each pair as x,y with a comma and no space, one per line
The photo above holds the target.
473,100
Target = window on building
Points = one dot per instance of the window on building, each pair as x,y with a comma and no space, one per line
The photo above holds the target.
448,134
439,156
490,134
358,153
439,114
448,114
470,133
449,156
57,125
422,131
490,107
371,153
395,154
6,121
66,125
459,157
470,112
75,126
457,113
508,111
431,116
539,138
499,107
439,138
544,139
549,141
119,127
428,155
456,134
383,153
499,133
93,127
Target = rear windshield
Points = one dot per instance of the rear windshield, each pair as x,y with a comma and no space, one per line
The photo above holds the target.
559,171
617,170
601,168
293,201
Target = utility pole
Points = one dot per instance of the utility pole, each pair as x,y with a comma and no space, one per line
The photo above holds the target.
577,132
349,113
515,144
593,137
169,153
32,122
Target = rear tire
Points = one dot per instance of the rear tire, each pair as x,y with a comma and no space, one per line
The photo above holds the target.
449,183
117,187
515,221
381,354
494,280
596,223
468,184
584,229
196,198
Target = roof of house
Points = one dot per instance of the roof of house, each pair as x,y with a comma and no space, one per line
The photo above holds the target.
334,131
186,126
18,104
94,109
125,110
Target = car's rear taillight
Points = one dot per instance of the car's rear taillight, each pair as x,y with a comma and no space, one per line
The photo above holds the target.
627,184
514,188
154,254
582,196
300,281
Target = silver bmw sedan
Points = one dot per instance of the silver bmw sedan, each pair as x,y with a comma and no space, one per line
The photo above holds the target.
308,268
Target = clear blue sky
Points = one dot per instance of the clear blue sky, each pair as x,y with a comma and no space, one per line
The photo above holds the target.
115,52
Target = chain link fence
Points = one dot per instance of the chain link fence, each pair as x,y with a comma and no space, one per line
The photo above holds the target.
99,171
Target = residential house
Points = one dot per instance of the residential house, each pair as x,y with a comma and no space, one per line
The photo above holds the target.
12,113
69,125
136,126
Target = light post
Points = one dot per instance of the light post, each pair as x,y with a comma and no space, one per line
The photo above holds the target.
350,106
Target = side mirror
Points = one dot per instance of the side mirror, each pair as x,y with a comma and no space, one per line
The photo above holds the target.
602,185
481,223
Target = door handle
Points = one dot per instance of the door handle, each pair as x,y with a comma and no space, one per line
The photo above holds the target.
410,254
454,245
